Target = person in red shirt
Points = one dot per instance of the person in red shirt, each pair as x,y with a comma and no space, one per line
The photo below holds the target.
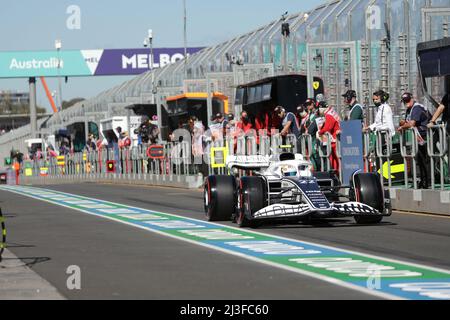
244,125
244,128
331,126
262,122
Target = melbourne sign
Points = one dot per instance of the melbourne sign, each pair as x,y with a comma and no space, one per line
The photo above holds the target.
110,62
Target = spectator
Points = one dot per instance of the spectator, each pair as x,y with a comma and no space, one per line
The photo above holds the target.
124,140
64,149
444,110
302,118
230,125
331,126
384,119
417,117
244,125
356,111
197,132
275,123
312,129
288,122
216,127
51,153
38,154
262,122
91,144
147,132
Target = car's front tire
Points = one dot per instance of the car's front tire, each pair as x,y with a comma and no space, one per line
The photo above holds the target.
220,198
367,189
252,198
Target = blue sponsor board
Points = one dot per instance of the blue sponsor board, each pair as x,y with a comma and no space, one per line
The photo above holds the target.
351,149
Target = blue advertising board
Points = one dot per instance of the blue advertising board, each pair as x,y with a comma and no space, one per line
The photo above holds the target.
351,149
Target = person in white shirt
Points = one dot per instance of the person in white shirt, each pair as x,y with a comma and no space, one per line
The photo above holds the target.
384,119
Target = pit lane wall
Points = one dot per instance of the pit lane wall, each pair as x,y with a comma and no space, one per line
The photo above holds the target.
171,181
423,201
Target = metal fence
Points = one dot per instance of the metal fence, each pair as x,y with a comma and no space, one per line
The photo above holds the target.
180,159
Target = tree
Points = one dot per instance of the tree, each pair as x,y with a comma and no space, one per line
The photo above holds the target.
7,108
70,103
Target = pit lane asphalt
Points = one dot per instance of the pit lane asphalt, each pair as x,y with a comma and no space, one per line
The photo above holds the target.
121,262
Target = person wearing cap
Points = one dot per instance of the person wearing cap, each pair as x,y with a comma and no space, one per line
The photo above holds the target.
319,98
331,126
217,128
355,109
417,117
230,125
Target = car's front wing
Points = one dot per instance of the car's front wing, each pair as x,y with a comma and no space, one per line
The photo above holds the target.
347,209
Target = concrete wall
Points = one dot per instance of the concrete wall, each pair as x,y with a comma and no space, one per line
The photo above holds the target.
425,201
187,182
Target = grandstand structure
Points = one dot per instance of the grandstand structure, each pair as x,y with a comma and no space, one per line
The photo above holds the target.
360,44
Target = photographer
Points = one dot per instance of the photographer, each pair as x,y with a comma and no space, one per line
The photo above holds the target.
147,132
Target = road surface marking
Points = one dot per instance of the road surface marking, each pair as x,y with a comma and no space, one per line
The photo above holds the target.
349,269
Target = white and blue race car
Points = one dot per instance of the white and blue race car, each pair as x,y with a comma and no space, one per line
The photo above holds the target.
283,187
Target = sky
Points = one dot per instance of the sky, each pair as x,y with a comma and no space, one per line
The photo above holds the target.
27,25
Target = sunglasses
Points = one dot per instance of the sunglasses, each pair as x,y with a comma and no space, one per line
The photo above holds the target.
406,100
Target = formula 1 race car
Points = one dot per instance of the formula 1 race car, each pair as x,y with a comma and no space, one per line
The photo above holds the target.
284,188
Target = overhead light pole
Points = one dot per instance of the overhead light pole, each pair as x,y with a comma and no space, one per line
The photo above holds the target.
58,46
149,42
185,38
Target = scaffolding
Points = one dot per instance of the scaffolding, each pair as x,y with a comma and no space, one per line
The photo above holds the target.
333,41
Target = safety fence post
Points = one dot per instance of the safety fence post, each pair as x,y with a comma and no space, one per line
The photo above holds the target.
291,142
384,139
325,152
437,151
252,146
412,154
306,146
264,145
339,156
277,141
3,234
366,151
241,150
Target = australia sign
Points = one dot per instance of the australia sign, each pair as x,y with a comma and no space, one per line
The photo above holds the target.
79,63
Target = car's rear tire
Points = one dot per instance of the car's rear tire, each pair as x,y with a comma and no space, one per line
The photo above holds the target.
367,189
252,198
219,196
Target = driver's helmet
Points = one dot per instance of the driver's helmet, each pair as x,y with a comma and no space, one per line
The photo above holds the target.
289,171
